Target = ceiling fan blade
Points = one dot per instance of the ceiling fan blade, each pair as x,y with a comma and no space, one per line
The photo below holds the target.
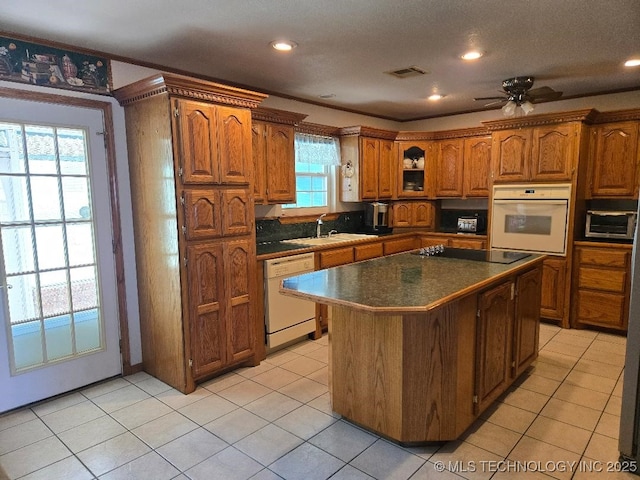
490,98
543,93
497,101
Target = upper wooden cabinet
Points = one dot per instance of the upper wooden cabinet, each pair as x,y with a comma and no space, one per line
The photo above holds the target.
614,160
462,167
416,167
214,143
544,153
368,164
273,140
413,214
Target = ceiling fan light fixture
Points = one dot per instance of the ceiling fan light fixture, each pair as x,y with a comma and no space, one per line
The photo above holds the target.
632,62
527,107
509,108
471,55
283,45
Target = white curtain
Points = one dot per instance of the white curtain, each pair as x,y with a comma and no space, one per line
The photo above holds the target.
317,149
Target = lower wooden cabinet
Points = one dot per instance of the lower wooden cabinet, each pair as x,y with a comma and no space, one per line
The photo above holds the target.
334,257
554,278
507,334
601,280
453,241
368,251
400,245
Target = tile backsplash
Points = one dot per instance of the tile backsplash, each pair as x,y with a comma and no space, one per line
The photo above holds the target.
271,230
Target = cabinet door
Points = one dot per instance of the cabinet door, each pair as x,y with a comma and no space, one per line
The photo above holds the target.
553,288
386,169
493,366
240,265
527,320
510,155
280,164
431,241
202,214
614,160
402,214
234,144
553,152
206,306
423,214
237,212
258,153
196,131
477,166
369,155
449,165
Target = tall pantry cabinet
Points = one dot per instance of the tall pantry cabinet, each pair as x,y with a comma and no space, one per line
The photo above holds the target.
190,163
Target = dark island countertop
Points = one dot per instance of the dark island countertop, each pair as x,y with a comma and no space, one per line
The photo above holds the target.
402,283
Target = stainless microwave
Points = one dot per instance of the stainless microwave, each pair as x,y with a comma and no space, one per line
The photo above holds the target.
619,224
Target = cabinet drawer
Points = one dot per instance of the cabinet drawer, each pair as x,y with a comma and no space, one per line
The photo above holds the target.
606,309
604,258
365,252
401,245
602,279
466,243
333,258
433,241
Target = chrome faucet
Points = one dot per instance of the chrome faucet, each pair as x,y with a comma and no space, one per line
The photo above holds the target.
331,232
319,222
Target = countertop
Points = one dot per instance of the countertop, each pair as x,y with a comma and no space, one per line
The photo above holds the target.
402,283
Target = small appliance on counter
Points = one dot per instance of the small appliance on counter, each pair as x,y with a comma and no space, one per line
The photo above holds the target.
471,224
376,218
612,224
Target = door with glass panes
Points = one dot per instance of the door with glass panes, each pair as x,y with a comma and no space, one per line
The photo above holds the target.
58,315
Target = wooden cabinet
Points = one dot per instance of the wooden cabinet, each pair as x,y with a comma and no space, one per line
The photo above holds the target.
334,257
400,245
554,281
544,153
416,166
507,334
449,168
214,143
477,166
368,251
368,164
463,167
191,173
413,214
614,160
453,241
494,351
273,138
527,320
601,280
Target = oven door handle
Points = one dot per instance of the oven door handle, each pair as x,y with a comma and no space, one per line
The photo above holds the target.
530,201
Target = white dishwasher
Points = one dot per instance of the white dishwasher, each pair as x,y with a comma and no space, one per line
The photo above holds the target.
287,318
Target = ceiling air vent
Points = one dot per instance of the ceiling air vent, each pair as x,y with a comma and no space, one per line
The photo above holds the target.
407,72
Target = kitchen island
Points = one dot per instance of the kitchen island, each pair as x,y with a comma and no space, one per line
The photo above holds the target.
421,345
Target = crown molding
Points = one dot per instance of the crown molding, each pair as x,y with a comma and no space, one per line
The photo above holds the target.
187,87
317,129
586,116
360,130
273,115
618,116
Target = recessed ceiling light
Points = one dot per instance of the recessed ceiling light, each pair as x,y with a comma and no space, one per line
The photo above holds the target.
471,55
284,45
633,62
435,97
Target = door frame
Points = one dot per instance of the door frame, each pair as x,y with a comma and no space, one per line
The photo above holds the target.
116,234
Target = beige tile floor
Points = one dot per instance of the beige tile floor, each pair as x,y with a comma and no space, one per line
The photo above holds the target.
274,421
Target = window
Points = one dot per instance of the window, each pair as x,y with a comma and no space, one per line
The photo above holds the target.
316,157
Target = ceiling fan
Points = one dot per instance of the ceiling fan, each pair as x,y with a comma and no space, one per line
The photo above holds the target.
517,92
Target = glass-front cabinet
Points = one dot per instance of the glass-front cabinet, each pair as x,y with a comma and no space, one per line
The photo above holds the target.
414,165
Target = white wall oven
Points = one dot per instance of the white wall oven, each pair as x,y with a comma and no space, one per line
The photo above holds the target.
530,218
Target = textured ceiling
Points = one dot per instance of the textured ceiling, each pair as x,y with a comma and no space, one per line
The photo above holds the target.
344,47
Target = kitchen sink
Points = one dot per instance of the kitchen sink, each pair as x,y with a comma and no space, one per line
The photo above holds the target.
329,240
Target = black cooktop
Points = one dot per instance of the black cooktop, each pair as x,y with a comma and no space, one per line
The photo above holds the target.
492,256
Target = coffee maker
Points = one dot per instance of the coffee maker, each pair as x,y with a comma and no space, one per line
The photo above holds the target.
376,218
